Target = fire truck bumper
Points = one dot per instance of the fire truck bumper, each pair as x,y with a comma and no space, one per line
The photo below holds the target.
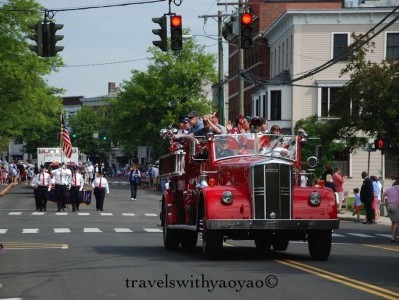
272,224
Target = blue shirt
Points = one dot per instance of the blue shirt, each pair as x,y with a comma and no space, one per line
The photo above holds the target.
196,127
357,200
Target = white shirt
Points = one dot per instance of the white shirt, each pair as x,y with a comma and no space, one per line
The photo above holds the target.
104,183
42,179
61,175
76,180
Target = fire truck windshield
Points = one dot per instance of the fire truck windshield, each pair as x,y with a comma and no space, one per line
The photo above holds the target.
270,145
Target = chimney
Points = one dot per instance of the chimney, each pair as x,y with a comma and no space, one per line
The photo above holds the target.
111,86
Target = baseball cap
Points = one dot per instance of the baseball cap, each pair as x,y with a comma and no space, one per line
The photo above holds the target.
184,120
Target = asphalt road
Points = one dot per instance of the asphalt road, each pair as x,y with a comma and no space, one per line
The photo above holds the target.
119,254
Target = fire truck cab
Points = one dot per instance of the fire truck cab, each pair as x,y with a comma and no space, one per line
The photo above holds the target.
243,187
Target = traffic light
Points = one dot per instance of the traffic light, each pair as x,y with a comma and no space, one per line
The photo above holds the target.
38,38
176,33
104,138
163,33
246,30
380,144
53,39
74,135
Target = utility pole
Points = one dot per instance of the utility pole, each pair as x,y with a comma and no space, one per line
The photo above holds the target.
221,102
240,67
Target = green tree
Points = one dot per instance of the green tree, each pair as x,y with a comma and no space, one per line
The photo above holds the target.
84,124
30,111
368,104
172,85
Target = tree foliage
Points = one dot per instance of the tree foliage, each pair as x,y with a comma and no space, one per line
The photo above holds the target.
30,111
172,85
370,99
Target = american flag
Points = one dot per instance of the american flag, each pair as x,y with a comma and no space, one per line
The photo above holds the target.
66,140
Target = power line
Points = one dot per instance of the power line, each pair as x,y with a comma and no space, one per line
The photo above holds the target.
106,63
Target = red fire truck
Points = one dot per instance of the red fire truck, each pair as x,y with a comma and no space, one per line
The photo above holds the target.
243,187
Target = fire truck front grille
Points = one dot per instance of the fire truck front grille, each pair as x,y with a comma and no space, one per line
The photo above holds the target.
272,192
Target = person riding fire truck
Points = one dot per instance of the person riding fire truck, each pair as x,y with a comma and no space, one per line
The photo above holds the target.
243,187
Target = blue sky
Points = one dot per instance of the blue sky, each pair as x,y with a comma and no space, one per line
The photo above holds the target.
110,35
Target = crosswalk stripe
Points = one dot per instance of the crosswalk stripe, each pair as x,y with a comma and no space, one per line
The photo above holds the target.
3,231
38,213
83,214
128,214
384,235
123,230
152,230
106,214
61,213
151,215
337,235
361,235
30,230
91,230
15,213
62,230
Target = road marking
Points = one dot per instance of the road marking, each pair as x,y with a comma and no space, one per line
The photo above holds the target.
123,230
91,230
15,213
106,214
151,215
61,213
360,285
62,230
361,235
27,246
385,247
128,214
337,235
30,230
385,235
152,230
3,231
38,213
83,214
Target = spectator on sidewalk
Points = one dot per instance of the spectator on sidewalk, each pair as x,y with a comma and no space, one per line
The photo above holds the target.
377,187
357,204
391,200
367,196
338,181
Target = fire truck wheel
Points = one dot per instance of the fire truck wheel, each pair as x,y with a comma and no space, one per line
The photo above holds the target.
171,237
263,244
212,244
280,244
189,240
319,242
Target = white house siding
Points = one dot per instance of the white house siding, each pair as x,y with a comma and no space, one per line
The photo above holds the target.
311,33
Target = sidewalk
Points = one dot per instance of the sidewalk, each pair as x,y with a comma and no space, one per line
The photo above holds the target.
347,216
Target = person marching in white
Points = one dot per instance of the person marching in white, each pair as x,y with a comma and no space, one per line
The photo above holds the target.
61,176
89,174
76,183
100,185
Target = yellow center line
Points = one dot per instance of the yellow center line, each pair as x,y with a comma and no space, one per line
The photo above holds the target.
360,285
382,247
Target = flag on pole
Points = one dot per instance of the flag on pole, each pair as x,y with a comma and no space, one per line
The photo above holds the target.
65,139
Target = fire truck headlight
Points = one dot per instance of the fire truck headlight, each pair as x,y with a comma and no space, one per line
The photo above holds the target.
315,199
227,197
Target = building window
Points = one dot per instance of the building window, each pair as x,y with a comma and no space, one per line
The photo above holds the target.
264,104
329,97
341,160
392,46
275,105
391,167
340,45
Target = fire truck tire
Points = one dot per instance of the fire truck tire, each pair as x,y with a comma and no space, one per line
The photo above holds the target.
171,237
263,244
189,240
280,244
212,244
319,242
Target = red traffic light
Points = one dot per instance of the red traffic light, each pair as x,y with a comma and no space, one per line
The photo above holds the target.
175,21
246,18
379,144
